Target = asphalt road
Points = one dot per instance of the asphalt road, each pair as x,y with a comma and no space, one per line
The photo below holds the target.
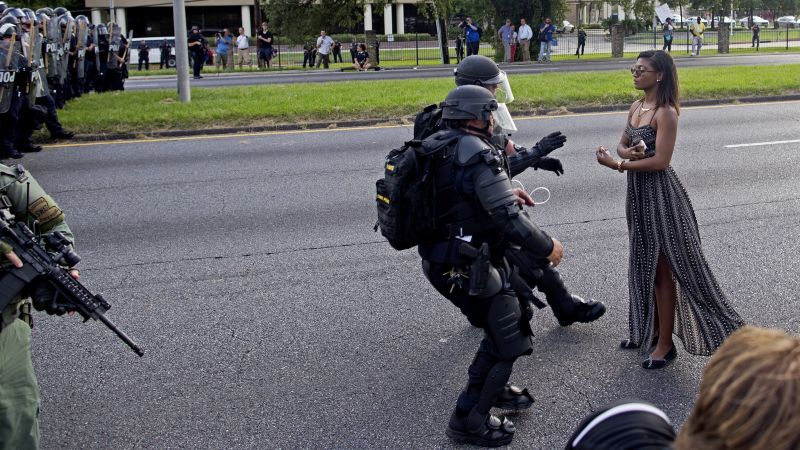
322,75
273,317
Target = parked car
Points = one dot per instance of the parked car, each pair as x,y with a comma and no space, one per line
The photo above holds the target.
678,20
693,19
725,19
155,53
788,22
745,21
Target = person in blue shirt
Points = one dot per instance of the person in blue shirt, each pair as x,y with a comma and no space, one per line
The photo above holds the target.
224,44
546,31
472,34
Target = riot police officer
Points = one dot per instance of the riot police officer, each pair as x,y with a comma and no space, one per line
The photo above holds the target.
481,71
19,404
478,216
10,79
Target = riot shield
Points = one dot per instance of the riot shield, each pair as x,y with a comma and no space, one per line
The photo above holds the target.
64,42
52,39
82,37
9,61
96,43
114,44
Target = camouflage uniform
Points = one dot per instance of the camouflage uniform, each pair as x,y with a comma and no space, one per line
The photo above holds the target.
19,392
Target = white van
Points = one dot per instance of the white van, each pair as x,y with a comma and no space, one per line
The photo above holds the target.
155,52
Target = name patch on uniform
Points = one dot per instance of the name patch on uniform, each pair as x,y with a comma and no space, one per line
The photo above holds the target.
48,215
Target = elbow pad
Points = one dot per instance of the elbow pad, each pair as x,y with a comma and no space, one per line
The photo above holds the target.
494,191
524,158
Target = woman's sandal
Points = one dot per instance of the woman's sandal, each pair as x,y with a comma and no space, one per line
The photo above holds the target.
651,363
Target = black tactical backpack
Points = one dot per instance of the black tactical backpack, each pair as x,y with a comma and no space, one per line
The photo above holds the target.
427,122
405,197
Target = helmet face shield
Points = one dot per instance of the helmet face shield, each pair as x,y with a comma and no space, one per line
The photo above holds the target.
503,92
503,120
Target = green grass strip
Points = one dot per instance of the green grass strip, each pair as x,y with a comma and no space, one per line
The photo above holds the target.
153,111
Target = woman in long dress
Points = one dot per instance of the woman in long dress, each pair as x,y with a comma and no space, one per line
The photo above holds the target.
662,228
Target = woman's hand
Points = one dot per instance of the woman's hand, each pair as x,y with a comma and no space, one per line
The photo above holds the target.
604,157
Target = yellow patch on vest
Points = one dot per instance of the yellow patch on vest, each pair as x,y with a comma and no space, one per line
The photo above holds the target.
48,215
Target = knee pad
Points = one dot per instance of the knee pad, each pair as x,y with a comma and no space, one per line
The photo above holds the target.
504,326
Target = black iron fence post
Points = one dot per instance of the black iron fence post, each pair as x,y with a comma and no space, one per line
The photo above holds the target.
416,43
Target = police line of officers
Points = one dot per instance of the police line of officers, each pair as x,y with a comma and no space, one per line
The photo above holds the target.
46,58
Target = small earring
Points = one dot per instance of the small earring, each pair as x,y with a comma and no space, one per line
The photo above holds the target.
658,81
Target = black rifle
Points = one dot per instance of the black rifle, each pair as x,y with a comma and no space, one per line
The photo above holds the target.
39,266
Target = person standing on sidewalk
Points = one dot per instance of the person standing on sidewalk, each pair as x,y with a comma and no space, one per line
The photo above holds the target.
224,44
197,47
243,46
756,39
144,55
265,38
581,42
668,34
165,49
506,35
525,35
697,30
324,47
546,31
472,34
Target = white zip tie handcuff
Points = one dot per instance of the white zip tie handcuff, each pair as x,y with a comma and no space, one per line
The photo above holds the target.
531,193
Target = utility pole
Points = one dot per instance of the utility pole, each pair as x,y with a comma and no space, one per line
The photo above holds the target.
257,16
181,51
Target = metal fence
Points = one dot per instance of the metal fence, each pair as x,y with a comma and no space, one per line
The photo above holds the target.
425,50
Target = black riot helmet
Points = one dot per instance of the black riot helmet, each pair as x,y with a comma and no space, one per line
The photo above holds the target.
477,69
14,12
7,29
64,20
9,20
46,11
468,102
60,10
3,7
30,17
482,71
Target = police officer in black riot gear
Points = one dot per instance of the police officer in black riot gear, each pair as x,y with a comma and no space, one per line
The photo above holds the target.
10,98
482,71
41,105
478,215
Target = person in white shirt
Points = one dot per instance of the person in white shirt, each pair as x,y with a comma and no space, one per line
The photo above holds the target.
243,47
324,46
525,35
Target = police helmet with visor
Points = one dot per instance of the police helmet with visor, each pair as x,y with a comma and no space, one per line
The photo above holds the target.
482,71
468,103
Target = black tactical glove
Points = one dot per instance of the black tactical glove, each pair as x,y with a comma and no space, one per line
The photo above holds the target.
45,298
551,164
550,142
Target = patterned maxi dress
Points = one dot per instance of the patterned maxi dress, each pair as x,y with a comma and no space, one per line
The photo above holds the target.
661,219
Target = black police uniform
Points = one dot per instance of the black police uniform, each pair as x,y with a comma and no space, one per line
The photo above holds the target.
472,182
567,308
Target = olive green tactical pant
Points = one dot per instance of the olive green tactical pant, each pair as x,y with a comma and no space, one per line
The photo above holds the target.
19,393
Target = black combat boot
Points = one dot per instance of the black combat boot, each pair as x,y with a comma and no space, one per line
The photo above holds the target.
583,311
513,398
567,308
482,430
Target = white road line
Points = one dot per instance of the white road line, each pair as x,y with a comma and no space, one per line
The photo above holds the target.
757,144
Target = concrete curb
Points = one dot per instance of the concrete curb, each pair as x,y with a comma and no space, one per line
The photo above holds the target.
401,121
